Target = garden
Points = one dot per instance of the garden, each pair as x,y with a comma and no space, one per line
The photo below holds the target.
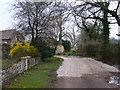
39,76
14,52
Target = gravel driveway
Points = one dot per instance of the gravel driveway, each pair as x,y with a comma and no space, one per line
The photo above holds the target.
78,72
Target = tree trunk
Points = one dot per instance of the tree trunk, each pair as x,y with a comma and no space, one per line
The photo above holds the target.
33,39
105,27
60,36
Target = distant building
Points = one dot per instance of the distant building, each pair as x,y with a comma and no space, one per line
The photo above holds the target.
10,36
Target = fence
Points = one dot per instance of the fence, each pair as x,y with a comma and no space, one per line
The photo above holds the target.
23,65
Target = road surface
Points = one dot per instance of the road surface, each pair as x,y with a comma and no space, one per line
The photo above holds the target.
79,72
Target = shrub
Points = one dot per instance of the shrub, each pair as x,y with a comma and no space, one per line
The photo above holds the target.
89,49
5,54
31,50
23,50
67,45
17,51
45,49
108,53
5,51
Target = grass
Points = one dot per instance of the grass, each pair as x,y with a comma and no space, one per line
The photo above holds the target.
69,53
52,59
38,76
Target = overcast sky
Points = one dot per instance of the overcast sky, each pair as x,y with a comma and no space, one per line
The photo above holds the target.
6,20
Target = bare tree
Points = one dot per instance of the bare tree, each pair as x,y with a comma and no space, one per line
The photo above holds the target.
72,34
60,14
89,11
32,18
111,12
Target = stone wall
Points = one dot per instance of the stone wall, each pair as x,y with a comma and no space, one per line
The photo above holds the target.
18,68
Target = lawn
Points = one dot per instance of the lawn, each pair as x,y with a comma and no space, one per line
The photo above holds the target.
39,76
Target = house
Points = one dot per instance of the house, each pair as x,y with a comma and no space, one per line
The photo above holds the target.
10,36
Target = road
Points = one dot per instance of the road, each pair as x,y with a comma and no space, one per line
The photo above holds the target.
79,72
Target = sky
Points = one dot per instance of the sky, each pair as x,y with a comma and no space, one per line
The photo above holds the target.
7,21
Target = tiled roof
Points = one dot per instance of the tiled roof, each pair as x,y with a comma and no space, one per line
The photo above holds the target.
7,34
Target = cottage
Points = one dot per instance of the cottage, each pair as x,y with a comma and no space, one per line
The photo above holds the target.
10,36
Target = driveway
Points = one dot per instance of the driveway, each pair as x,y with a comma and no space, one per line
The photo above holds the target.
79,72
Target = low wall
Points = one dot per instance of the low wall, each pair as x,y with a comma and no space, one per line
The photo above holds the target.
18,68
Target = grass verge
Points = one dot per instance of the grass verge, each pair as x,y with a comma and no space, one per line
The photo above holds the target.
38,76
71,53
95,58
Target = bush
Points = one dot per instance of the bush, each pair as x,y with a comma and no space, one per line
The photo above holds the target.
31,50
67,45
5,55
25,49
108,53
5,51
45,49
17,51
89,49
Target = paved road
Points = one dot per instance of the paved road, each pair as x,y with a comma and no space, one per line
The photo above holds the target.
78,72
